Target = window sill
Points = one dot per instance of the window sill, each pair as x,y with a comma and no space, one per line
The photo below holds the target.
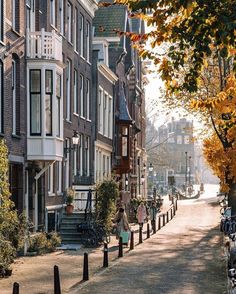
53,26
82,57
16,136
76,52
2,43
75,114
82,117
60,193
15,32
51,194
68,121
89,120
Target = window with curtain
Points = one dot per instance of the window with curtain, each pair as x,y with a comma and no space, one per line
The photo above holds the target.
82,106
48,101
35,102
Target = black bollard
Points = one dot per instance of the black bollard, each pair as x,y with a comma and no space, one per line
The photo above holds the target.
140,234
176,206
85,269
163,218
105,256
154,227
171,213
131,245
167,216
159,223
16,288
120,253
148,231
57,286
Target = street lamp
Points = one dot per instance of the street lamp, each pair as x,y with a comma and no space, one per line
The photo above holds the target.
189,170
75,142
126,181
150,167
186,171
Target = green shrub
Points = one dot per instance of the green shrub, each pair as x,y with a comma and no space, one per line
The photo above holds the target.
44,243
53,241
107,194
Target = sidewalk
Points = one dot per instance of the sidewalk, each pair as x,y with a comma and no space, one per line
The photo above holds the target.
35,274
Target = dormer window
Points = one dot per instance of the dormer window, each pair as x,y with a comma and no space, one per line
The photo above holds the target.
102,46
124,141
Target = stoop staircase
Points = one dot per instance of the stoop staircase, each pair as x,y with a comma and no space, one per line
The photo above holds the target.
68,228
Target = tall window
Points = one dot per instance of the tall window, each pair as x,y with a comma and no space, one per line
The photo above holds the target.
15,15
86,156
61,16
69,22
58,103
110,117
88,41
53,12
76,107
1,20
81,153
28,15
13,85
105,114
124,142
48,101
1,97
81,35
35,102
68,89
67,160
50,179
59,176
82,96
76,30
100,110
88,100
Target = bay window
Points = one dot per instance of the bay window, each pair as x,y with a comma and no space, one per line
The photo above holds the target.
58,101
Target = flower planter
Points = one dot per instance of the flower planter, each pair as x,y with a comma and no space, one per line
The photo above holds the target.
69,209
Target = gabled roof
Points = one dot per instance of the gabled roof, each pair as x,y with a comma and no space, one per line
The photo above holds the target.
109,19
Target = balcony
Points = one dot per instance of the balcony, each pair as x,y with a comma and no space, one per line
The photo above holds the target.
44,45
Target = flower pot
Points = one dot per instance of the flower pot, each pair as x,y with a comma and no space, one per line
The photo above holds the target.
69,209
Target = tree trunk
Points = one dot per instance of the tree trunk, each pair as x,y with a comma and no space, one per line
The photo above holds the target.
232,198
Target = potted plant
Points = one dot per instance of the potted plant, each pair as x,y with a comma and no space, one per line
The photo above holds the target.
70,194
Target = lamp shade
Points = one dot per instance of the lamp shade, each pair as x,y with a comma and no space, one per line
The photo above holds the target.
75,138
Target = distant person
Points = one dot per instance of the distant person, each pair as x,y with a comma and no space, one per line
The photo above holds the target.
153,214
141,214
121,221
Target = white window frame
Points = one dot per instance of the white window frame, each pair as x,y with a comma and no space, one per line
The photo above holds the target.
50,180
179,139
100,110
81,154
88,26
81,35
68,90
13,97
105,113
110,117
58,102
88,100
75,162
67,161
76,102
82,114
59,176
61,16
69,21
53,13
76,15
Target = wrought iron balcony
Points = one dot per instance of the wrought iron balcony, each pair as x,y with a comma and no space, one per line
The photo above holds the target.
44,45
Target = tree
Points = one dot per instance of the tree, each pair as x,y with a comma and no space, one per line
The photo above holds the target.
198,66
11,230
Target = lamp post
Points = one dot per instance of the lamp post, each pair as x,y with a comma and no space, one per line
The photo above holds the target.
189,170
186,170
75,142
126,183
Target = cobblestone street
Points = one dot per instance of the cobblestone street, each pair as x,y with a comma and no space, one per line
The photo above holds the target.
185,256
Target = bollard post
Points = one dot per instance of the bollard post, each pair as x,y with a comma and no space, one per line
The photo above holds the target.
140,235
159,223
85,268
120,253
16,288
154,227
148,231
176,206
171,213
131,240
57,286
163,218
167,216
105,256
174,210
